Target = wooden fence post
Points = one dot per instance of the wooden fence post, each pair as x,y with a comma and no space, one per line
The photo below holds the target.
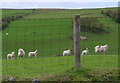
76,36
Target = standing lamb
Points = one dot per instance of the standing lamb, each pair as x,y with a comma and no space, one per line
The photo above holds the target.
10,56
85,52
67,52
21,53
101,48
32,53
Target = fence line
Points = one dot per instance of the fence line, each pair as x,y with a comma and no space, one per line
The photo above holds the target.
50,40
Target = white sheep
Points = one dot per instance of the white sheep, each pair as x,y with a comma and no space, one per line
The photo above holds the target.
66,52
10,56
21,53
11,78
32,53
101,48
85,52
83,37
7,34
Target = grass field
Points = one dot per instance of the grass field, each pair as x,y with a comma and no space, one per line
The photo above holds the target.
13,12
54,35
50,36
29,67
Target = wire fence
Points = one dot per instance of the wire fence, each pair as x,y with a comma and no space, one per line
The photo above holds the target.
51,37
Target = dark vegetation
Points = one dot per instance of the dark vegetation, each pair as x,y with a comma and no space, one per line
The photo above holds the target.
114,14
74,74
7,20
91,24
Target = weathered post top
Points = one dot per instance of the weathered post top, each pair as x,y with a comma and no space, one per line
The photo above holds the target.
77,16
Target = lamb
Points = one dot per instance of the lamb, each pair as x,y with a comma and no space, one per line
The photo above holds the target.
32,53
101,48
67,52
11,78
7,34
85,52
21,53
83,37
10,56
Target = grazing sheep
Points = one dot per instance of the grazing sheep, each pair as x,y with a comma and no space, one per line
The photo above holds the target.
83,37
101,48
32,53
10,56
67,52
85,52
21,53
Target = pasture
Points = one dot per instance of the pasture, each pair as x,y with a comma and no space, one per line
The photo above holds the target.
51,33
14,12
29,67
27,34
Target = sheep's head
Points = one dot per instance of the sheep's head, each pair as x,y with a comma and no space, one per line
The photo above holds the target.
20,50
13,54
106,45
87,48
69,50
36,51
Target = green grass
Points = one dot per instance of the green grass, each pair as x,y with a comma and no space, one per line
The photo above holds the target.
14,12
81,75
52,36
49,39
29,67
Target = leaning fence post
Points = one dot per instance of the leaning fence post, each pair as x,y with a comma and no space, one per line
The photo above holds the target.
76,35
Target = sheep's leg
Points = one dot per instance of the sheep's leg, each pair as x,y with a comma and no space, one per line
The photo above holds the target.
7,58
18,57
95,53
104,52
63,54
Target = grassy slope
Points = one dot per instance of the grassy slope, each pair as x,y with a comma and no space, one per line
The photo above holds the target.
49,64
57,32
46,39
28,67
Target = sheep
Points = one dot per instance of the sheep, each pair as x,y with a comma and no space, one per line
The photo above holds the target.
35,80
32,53
11,78
83,37
67,52
101,48
10,56
85,52
7,34
21,53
